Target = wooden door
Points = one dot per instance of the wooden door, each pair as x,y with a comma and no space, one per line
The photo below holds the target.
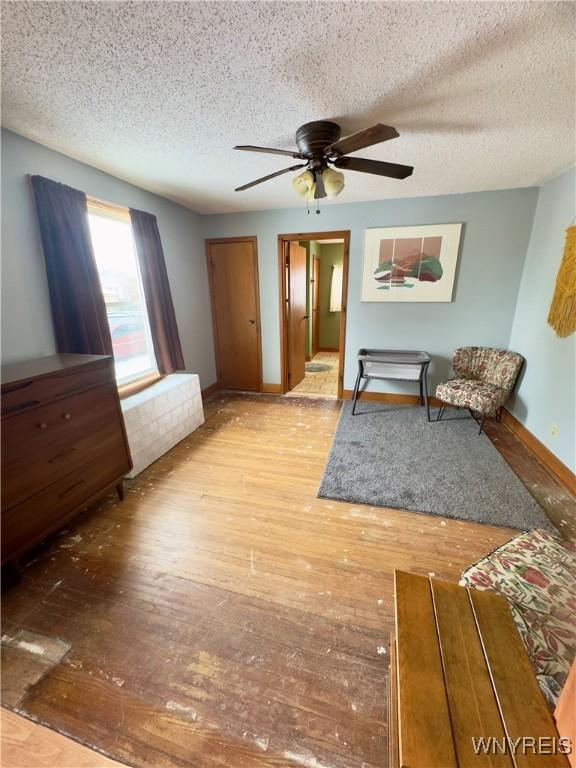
315,305
296,314
233,275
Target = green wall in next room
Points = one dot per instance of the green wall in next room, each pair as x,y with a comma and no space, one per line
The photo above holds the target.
331,255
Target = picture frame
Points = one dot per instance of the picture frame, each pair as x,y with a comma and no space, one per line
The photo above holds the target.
410,263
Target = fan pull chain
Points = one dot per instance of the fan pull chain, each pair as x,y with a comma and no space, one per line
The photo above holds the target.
308,207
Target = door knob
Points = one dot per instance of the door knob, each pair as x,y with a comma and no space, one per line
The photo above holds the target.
251,322
306,317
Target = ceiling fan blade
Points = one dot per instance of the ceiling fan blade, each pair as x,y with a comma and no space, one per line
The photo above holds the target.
270,151
270,176
393,170
319,192
373,135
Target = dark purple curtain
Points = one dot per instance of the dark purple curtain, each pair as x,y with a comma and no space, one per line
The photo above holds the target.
157,292
78,308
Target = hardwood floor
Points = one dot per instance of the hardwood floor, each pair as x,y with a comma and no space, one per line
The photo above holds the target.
320,383
28,745
222,615
549,493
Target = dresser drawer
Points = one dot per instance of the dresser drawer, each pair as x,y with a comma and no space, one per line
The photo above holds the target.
29,522
59,424
25,395
58,460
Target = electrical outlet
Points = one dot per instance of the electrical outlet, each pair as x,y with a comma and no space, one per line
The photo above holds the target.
554,430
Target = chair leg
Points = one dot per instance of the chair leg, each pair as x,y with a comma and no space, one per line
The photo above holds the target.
481,424
355,393
440,413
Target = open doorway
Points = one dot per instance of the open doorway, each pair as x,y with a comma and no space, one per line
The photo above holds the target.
313,288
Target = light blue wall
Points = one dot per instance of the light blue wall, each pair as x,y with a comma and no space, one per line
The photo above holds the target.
26,319
547,392
494,241
496,237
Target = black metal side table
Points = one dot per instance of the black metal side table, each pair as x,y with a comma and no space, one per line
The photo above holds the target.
393,365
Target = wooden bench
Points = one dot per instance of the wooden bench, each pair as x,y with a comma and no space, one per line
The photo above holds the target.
459,672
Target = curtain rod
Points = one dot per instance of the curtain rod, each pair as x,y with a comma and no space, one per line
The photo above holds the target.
120,211
105,204
97,202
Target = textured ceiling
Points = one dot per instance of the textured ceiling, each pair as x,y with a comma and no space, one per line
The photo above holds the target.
158,93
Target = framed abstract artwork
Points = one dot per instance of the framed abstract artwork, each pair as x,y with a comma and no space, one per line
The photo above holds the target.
410,263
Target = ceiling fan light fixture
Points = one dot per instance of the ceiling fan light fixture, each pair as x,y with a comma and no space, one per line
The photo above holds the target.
304,184
333,182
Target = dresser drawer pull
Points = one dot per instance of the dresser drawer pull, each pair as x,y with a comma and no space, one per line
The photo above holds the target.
42,425
19,406
66,416
71,488
61,455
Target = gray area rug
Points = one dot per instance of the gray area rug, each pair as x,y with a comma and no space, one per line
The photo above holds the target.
317,367
390,456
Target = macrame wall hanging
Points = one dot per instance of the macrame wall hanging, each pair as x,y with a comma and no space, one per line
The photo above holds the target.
562,315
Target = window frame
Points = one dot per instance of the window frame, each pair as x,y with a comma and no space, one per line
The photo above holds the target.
97,207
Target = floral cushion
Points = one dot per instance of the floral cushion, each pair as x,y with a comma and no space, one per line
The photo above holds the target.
476,395
536,573
493,366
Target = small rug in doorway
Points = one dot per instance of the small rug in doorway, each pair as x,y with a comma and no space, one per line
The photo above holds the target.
317,367
390,456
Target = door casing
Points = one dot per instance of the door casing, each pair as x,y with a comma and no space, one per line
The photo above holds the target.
282,240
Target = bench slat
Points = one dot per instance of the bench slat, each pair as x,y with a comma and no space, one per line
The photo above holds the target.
521,703
393,741
424,719
472,702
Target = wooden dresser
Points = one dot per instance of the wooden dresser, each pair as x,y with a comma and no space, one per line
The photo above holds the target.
63,444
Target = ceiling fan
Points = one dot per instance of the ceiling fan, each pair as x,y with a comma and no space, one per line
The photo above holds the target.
320,146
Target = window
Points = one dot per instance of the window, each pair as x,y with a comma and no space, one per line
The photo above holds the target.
121,282
336,289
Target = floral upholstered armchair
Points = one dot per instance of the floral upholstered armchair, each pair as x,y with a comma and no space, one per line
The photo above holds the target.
484,380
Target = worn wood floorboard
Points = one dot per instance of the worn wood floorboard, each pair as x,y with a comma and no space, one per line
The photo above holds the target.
222,615
29,745
552,496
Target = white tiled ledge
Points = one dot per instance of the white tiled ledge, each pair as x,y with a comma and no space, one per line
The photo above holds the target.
160,416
